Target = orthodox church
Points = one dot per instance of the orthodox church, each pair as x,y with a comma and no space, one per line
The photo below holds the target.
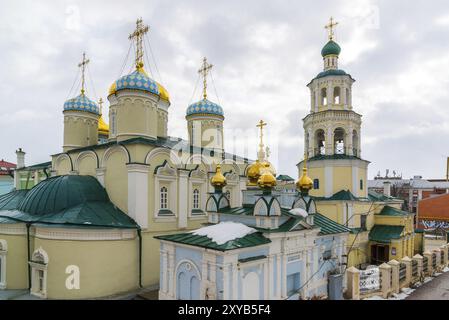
125,206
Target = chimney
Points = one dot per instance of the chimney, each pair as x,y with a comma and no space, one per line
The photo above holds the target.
20,158
387,188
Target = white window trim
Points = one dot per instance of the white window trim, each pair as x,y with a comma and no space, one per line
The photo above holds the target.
35,268
170,181
3,251
196,183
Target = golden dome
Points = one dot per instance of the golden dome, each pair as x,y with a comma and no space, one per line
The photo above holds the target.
218,180
253,173
113,88
267,179
163,93
304,183
103,127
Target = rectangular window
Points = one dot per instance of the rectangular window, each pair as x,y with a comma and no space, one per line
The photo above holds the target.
196,199
316,183
363,221
293,282
164,198
361,184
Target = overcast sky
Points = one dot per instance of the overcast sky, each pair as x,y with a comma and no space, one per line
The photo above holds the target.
264,53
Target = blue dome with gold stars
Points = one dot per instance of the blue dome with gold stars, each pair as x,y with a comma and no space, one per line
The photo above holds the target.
82,103
137,80
205,107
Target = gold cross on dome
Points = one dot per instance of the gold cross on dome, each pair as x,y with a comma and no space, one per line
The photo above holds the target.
137,35
204,70
83,65
261,125
330,28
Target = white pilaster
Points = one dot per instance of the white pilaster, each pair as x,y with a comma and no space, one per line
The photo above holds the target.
138,193
100,172
328,181
183,198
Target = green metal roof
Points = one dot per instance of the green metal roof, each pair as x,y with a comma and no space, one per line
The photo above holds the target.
376,196
11,200
385,233
250,240
342,195
69,200
390,211
329,226
284,177
331,47
333,157
168,142
37,166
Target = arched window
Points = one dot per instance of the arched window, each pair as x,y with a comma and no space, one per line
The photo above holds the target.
164,198
316,183
228,195
339,141
323,97
347,96
355,143
337,98
320,141
39,263
113,123
196,199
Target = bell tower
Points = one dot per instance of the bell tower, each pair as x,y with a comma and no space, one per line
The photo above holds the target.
332,129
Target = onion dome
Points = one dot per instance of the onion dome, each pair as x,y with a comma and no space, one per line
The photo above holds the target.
331,48
205,107
304,183
253,173
218,180
139,80
81,103
103,127
267,180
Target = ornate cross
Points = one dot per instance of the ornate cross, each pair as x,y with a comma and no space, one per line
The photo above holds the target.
100,103
205,68
330,28
261,125
83,65
137,35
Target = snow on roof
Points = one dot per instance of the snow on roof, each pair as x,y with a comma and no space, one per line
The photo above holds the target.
299,212
224,231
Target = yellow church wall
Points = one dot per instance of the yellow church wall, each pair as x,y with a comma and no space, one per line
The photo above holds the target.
16,261
358,248
316,173
362,176
342,179
116,179
87,166
330,210
114,269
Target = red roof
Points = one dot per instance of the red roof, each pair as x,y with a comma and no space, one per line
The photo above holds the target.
434,208
5,167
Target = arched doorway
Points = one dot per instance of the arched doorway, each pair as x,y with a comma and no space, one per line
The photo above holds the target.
187,281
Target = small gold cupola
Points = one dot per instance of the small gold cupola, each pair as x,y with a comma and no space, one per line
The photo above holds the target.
218,181
267,180
304,184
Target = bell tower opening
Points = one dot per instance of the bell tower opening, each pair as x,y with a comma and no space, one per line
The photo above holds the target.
339,141
320,139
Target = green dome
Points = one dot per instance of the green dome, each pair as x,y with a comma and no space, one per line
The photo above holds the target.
331,48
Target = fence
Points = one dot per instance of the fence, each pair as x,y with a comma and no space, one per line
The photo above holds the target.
389,278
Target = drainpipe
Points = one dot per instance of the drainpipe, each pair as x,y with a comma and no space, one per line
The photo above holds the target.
139,234
28,225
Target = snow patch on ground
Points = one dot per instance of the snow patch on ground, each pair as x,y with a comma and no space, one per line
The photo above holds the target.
446,269
224,231
427,279
405,292
436,274
299,212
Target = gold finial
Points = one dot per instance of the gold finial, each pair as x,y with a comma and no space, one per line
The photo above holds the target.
137,35
204,70
330,28
218,180
100,103
83,65
261,153
304,184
